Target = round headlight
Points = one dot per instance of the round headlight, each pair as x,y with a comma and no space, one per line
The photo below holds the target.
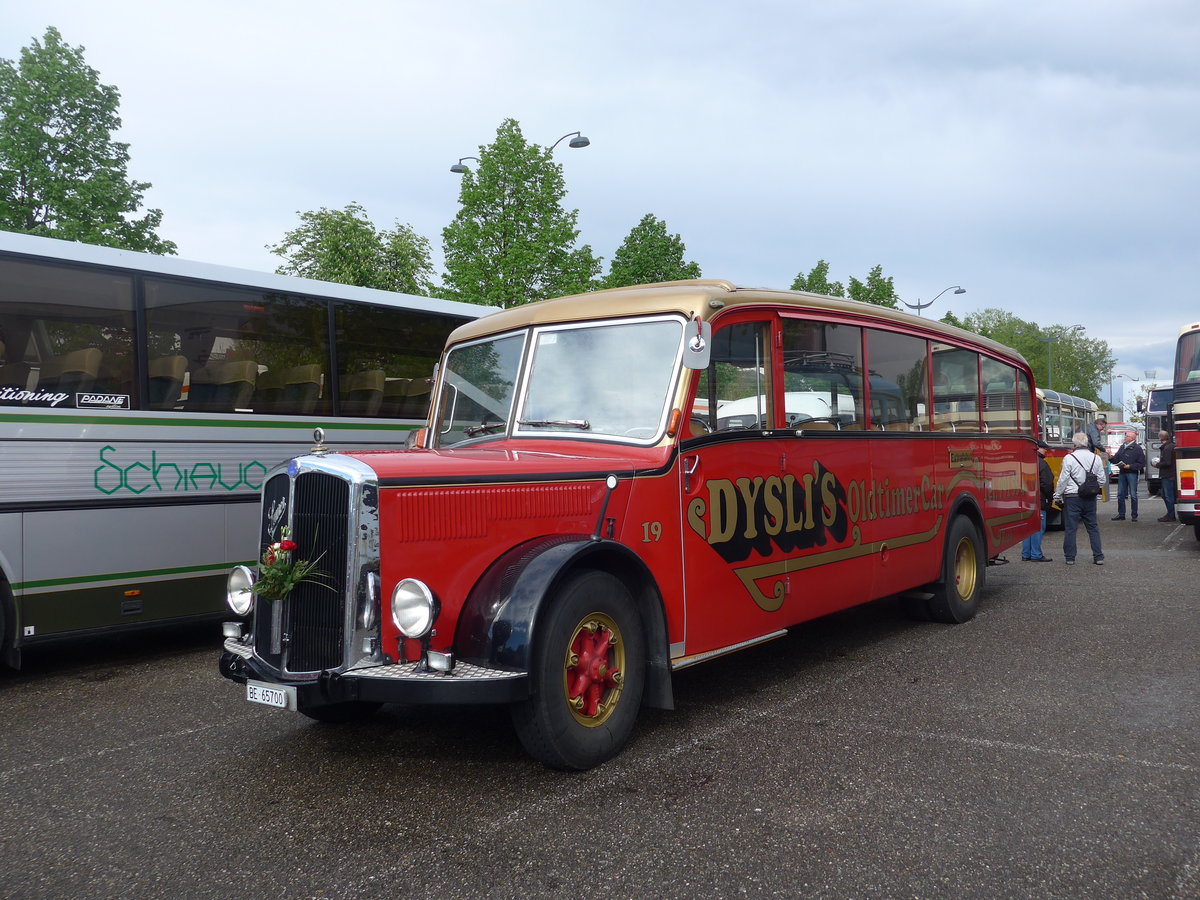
239,592
414,608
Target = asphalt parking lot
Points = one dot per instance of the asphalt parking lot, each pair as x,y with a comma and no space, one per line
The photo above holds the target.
1050,748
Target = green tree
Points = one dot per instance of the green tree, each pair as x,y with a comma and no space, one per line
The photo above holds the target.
511,241
876,289
649,254
342,245
61,173
1062,357
817,281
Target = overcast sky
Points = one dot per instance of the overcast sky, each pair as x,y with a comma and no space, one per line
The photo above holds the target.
1045,156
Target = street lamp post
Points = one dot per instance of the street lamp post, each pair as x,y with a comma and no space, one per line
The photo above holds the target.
1049,358
577,142
918,306
1049,342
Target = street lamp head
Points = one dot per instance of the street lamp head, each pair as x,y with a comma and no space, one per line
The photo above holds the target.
918,306
577,140
458,168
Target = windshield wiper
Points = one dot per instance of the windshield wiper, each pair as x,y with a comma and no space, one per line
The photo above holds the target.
581,424
486,428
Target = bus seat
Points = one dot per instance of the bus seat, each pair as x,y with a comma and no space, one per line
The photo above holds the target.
166,380
394,392
362,393
15,375
301,389
819,426
223,386
416,399
71,372
268,391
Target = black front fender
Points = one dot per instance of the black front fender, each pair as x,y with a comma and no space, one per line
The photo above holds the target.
497,627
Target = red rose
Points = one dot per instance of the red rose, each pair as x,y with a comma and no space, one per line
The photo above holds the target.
287,546
270,557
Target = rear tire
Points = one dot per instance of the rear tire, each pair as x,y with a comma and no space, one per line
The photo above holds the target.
588,671
956,597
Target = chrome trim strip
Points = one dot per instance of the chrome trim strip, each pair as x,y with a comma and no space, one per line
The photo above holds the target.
685,661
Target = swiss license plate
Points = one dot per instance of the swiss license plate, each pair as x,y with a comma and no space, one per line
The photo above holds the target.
282,696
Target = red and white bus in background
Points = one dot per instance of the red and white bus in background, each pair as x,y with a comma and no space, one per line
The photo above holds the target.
1114,437
618,485
1157,410
1185,411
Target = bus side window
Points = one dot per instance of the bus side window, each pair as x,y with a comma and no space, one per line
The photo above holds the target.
1024,404
955,389
999,396
822,375
897,383
734,392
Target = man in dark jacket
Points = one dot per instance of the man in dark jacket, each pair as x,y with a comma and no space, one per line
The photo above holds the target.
1166,470
1031,547
1130,461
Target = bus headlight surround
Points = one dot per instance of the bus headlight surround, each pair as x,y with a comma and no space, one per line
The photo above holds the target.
239,590
414,608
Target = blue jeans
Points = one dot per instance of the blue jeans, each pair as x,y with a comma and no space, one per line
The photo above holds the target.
1127,486
1076,510
1168,492
1031,547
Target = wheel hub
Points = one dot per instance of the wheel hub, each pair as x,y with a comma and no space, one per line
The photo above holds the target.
592,673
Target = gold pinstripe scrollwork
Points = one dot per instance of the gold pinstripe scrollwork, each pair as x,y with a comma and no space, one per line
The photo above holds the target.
750,575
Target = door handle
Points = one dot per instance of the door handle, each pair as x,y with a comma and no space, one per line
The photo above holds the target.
690,465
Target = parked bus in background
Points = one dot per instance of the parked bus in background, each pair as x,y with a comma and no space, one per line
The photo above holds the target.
1185,412
143,399
1157,410
1061,417
622,484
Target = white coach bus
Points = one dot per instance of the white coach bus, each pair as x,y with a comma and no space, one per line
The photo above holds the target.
143,399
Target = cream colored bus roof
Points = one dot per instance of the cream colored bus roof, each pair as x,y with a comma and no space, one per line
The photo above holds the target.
704,298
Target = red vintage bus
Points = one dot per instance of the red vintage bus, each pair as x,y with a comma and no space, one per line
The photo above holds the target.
621,484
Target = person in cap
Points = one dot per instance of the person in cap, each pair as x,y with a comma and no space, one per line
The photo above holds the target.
1031,547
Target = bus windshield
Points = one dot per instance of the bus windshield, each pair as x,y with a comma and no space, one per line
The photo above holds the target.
584,380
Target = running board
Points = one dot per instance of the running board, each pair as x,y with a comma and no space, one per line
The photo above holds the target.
684,661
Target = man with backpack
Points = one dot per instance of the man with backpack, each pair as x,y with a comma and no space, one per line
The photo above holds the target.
1077,490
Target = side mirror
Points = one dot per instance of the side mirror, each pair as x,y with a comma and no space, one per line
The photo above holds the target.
697,346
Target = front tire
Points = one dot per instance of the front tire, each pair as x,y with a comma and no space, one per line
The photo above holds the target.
956,597
589,668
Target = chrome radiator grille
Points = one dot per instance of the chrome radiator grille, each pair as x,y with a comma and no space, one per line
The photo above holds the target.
308,634
316,619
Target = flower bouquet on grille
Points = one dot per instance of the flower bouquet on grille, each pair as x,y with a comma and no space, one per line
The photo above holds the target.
279,572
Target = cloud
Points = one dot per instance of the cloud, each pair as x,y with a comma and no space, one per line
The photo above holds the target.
1043,156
